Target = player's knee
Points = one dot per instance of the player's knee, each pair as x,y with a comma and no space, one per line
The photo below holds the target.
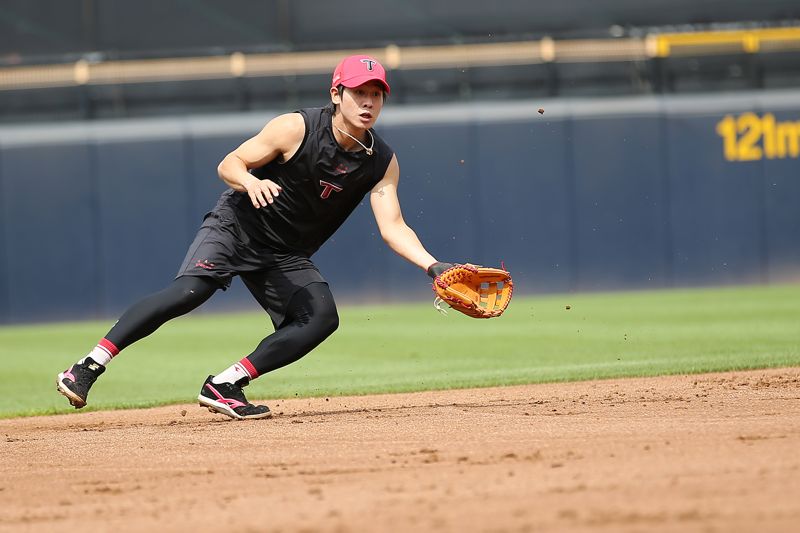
186,293
189,298
323,313
327,321
314,309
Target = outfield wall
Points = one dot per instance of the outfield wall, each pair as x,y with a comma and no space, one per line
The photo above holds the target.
626,193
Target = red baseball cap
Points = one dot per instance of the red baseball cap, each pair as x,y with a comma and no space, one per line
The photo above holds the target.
357,70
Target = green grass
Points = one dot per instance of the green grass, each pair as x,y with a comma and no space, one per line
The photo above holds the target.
411,347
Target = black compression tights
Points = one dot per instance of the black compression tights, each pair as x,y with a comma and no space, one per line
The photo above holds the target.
310,318
144,317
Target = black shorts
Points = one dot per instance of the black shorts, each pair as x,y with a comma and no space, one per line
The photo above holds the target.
221,250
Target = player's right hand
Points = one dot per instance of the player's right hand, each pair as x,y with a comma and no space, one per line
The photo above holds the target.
262,192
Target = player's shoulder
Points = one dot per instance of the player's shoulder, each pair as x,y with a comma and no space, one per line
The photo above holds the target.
379,138
286,126
383,147
288,121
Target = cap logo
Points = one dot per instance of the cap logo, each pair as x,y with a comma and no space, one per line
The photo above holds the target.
370,63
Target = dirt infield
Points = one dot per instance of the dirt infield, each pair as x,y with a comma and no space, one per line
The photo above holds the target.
718,452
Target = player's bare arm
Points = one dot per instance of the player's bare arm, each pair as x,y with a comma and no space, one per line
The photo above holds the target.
279,139
395,232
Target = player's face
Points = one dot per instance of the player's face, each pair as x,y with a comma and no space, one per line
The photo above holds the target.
361,105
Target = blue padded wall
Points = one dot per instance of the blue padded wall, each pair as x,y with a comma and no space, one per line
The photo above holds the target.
50,238
627,194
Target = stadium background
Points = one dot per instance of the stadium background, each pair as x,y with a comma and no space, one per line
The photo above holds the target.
667,155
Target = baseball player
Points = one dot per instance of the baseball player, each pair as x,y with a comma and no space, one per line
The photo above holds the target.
291,187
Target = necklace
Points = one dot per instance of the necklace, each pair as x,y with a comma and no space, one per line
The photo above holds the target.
372,144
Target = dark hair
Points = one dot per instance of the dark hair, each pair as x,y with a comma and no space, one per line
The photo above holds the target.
340,90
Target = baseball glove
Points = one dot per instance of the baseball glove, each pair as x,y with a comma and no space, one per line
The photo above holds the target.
476,291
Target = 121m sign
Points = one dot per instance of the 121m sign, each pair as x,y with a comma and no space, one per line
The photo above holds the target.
749,137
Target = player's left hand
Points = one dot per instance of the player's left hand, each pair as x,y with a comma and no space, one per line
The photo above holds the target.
476,291
437,268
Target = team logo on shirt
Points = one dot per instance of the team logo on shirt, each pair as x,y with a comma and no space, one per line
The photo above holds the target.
328,188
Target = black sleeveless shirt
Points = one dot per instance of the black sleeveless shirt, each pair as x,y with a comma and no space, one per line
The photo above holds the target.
322,184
